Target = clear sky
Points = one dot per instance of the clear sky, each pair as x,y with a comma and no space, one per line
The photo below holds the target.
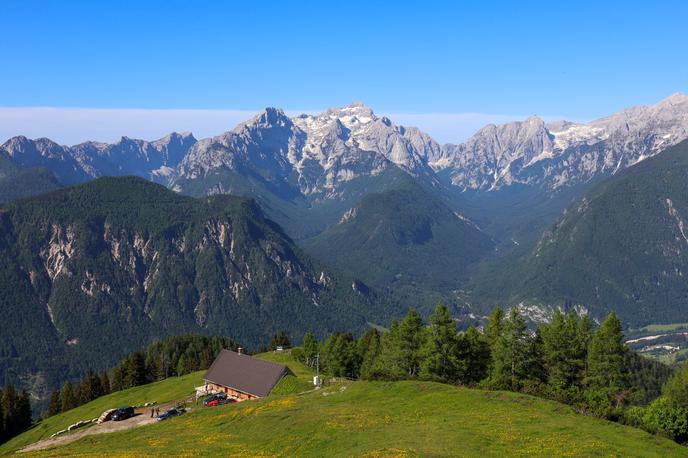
495,60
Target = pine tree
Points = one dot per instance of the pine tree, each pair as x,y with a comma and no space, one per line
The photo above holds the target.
369,346
22,416
565,350
55,405
495,326
281,339
206,358
388,365
606,357
515,355
134,371
339,355
410,341
182,366
105,382
9,406
676,388
117,381
310,348
474,357
67,397
440,352
2,418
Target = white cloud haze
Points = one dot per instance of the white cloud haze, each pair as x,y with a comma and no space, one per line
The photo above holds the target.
70,126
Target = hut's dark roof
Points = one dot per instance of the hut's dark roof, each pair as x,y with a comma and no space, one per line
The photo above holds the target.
245,373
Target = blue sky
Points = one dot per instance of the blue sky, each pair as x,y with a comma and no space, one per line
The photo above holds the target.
578,60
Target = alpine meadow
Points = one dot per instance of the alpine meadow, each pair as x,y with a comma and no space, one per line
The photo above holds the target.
391,229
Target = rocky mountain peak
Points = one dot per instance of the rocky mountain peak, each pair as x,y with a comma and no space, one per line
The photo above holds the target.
269,117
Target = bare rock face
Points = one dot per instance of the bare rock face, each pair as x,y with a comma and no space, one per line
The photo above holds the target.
154,160
564,153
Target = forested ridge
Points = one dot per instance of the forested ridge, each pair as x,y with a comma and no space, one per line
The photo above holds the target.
93,272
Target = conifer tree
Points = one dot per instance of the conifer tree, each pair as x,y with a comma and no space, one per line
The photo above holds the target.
67,397
340,356
22,415
474,357
410,341
514,358
440,361
117,381
495,326
606,357
369,347
310,348
105,382
388,365
134,371
55,405
2,418
565,349
676,388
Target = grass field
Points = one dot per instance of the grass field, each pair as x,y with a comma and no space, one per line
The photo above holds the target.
172,389
664,327
372,419
168,390
380,419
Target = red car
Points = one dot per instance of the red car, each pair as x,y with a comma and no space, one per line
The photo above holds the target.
218,402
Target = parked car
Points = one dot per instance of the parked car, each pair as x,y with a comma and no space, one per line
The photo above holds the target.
122,413
219,402
169,414
213,399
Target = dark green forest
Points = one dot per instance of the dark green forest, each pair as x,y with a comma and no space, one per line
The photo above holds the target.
91,273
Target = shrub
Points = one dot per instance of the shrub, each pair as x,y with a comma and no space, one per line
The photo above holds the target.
662,417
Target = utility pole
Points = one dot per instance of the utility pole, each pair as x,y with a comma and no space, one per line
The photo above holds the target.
317,369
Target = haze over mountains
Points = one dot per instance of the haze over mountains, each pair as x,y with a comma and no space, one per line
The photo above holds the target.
388,218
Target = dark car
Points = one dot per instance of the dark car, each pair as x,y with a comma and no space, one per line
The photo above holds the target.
211,400
169,414
123,413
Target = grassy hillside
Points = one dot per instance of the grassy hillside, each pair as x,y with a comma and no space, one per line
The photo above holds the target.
168,390
381,419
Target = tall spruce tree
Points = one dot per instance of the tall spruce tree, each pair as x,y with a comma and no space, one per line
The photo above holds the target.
340,356
565,350
22,414
369,347
105,382
410,341
135,373
474,357
606,358
55,405
440,354
515,356
67,397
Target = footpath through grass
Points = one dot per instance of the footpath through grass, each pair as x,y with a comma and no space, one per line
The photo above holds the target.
379,419
172,389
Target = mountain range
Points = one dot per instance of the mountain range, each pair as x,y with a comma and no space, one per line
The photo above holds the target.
345,219
92,272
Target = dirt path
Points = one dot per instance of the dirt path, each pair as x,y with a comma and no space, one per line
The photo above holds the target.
142,418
